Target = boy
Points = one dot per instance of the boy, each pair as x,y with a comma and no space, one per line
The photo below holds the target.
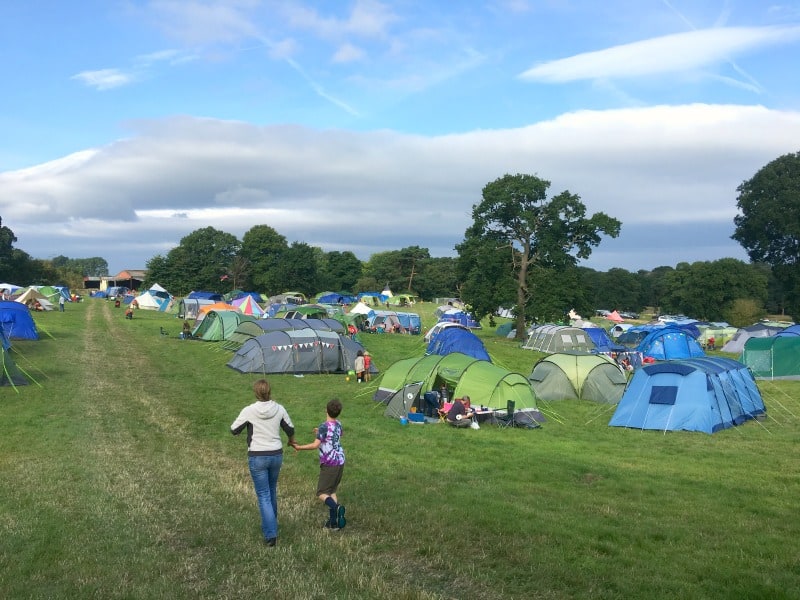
331,462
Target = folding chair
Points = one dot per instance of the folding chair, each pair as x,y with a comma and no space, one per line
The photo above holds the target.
508,419
443,411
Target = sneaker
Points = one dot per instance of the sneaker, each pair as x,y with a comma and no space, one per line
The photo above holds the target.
329,525
270,541
340,520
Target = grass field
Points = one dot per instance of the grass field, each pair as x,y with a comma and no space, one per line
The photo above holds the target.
119,479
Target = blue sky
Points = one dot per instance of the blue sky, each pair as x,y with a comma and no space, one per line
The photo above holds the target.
370,126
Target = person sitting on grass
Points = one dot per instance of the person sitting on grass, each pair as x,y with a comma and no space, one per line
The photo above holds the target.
461,413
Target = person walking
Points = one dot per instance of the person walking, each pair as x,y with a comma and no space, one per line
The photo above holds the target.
264,420
328,438
358,366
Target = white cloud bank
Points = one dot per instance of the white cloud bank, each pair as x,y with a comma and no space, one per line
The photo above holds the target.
668,173
680,52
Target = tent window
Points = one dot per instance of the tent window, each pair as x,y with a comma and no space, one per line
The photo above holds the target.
663,394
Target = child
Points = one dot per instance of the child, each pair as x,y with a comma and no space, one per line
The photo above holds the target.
367,365
358,366
331,463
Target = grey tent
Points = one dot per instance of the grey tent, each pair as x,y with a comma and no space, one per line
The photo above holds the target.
559,338
573,375
297,351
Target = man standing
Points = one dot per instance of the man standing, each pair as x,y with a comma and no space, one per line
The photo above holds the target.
61,301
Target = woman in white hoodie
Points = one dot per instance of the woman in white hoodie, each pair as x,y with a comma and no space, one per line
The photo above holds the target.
264,420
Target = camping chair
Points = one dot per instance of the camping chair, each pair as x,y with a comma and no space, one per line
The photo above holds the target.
508,419
443,411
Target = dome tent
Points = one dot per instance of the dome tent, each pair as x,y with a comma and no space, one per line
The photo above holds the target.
575,375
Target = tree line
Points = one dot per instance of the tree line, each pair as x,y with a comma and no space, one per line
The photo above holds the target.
521,252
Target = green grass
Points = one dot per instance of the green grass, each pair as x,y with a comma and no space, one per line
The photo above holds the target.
119,479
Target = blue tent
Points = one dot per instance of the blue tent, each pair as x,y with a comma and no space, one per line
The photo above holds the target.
410,322
17,321
603,341
199,295
697,394
456,339
670,343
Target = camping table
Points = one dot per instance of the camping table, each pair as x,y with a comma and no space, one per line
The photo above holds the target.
484,416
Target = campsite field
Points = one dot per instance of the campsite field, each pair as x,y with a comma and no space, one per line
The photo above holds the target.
119,479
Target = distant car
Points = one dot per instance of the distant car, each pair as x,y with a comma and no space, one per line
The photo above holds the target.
629,315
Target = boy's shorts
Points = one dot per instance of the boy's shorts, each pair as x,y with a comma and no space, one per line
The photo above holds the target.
330,476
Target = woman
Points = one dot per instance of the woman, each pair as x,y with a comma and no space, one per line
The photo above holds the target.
264,420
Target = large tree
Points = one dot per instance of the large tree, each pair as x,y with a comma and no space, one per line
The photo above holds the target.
536,233
768,226
264,249
199,262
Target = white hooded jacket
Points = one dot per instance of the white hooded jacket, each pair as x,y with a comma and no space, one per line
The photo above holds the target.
264,421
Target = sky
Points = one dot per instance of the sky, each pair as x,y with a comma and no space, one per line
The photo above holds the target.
368,125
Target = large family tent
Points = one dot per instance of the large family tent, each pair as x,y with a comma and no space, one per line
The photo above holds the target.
486,384
670,343
32,295
559,338
17,322
219,325
736,344
457,339
250,329
10,374
697,394
299,351
456,315
189,308
575,375
773,357
721,334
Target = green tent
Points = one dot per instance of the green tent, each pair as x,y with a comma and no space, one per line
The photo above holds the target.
575,375
219,325
773,357
485,383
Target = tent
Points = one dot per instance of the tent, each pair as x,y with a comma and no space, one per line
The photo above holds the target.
297,351
722,334
10,374
402,300
155,298
248,306
456,339
304,311
773,357
437,327
249,329
189,308
486,384
614,316
670,343
17,322
575,375
504,329
201,295
456,315
219,325
603,342
410,322
217,307
736,344
697,394
559,338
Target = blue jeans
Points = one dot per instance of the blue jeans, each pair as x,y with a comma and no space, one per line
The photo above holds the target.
265,470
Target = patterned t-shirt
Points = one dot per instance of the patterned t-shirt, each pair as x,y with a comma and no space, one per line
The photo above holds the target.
331,452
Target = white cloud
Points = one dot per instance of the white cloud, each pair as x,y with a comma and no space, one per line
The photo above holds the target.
661,170
347,53
667,54
105,79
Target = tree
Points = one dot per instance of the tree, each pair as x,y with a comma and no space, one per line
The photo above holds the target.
339,271
298,269
264,248
196,263
7,239
397,268
768,226
534,232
